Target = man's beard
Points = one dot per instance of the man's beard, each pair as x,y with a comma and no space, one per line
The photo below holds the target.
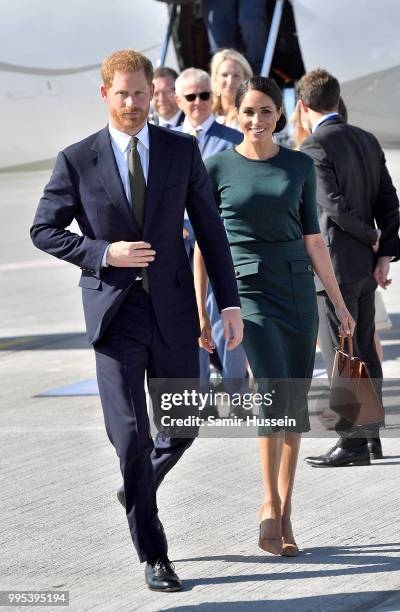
128,122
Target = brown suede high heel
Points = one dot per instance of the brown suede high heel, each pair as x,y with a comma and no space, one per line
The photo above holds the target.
266,542
289,546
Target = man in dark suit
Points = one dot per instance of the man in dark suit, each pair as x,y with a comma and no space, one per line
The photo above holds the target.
194,98
359,217
127,187
166,111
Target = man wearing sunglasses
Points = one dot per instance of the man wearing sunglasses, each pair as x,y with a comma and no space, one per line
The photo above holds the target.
194,98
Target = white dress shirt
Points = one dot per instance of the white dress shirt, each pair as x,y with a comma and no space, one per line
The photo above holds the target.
120,146
322,119
172,122
201,130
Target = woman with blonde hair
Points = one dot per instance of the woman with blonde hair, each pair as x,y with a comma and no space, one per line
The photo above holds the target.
300,131
228,69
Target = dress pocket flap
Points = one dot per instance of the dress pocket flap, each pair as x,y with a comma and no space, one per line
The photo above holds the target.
301,266
247,269
89,282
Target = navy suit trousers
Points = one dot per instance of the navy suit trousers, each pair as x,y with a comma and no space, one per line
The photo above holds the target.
130,347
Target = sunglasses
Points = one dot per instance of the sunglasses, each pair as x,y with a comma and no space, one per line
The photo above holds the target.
204,95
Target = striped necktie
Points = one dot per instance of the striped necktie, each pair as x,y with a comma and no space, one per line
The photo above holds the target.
196,133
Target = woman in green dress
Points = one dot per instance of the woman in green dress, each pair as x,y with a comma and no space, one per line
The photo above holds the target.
266,197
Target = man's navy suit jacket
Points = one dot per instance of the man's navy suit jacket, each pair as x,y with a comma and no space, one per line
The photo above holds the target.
218,138
86,186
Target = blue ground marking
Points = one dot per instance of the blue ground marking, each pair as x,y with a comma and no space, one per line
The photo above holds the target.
89,387
83,387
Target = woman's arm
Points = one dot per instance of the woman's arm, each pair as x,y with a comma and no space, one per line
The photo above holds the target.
201,287
230,316
321,261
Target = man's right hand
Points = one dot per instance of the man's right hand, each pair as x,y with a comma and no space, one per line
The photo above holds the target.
381,272
130,254
233,327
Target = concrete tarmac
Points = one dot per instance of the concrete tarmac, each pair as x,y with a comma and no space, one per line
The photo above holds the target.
62,527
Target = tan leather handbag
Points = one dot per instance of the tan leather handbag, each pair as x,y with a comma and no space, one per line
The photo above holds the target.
353,396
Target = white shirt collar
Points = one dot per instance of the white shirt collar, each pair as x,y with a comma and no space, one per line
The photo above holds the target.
173,121
203,128
122,139
322,119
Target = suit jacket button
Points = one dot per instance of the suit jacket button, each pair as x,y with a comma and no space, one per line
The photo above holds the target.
309,267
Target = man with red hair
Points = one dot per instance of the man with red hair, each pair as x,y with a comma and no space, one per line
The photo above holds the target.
127,186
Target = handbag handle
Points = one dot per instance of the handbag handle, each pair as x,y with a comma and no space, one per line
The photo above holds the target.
350,343
342,352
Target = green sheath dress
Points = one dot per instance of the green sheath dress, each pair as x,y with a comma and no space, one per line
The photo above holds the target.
267,206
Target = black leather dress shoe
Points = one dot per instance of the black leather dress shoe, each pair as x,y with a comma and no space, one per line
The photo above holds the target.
160,576
338,457
375,448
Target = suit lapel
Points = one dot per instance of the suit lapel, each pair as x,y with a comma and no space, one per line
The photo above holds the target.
208,138
107,168
159,162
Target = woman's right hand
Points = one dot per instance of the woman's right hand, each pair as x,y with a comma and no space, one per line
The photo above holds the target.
205,339
347,323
